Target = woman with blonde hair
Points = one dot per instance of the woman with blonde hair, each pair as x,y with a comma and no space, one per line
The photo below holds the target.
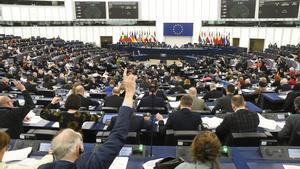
205,151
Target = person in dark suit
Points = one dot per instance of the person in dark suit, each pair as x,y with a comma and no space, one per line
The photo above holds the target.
11,117
292,123
30,86
178,89
213,93
152,100
67,146
224,103
183,119
85,102
284,86
242,120
289,101
114,100
4,85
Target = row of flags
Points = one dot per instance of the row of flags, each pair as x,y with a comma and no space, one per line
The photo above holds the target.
138,36
215,38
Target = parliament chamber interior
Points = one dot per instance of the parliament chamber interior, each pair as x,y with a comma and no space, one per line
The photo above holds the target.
149,84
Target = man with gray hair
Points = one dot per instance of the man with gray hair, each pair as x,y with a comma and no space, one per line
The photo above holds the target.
198,104
67,146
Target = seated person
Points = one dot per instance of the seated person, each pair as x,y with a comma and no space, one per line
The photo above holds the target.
289,101
30,85
182,119
85,102
70,119
247,84
4,85
137,123
213,93
242,120
262,87
205,151
284,86
198,104
48,82
224,103
4,144
152,100
292,124
178,89
67,147
12,117
114,100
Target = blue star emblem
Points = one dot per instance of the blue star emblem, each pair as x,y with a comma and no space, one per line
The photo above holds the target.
177,29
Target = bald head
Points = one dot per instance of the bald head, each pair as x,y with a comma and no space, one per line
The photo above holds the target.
79,90
192,91
67,145
116,91
6,102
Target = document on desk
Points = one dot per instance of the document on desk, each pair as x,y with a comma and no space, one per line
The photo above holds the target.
280,123
16,155
170,98
151,164
55,125
174,104
87,125
212,122
119,163
288,166
266,123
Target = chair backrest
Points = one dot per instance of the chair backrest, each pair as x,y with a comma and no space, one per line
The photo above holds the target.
153,109
248,139
173,136
132,137
110,109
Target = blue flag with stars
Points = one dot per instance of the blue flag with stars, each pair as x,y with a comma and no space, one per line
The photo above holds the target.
178,29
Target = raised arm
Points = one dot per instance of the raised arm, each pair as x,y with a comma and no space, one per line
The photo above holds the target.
107,152
24,110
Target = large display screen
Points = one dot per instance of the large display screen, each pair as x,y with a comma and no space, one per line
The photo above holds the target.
90,10
238,8
278,8
123,10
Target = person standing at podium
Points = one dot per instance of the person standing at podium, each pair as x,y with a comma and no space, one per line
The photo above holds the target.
67,147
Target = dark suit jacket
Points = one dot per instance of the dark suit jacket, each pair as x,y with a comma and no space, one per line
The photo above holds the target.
106,153
223,103
4,87
241,121
289,101
177,89
159,93
113,101
147,102
183,119
13,118
291,126
213,94
136,123
30,87
86,102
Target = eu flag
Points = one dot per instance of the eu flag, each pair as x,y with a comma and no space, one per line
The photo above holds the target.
178,29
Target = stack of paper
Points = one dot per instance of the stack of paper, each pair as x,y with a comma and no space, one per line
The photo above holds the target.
174,104
285,166
16,155
212,122
170,98
119,163
266,123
